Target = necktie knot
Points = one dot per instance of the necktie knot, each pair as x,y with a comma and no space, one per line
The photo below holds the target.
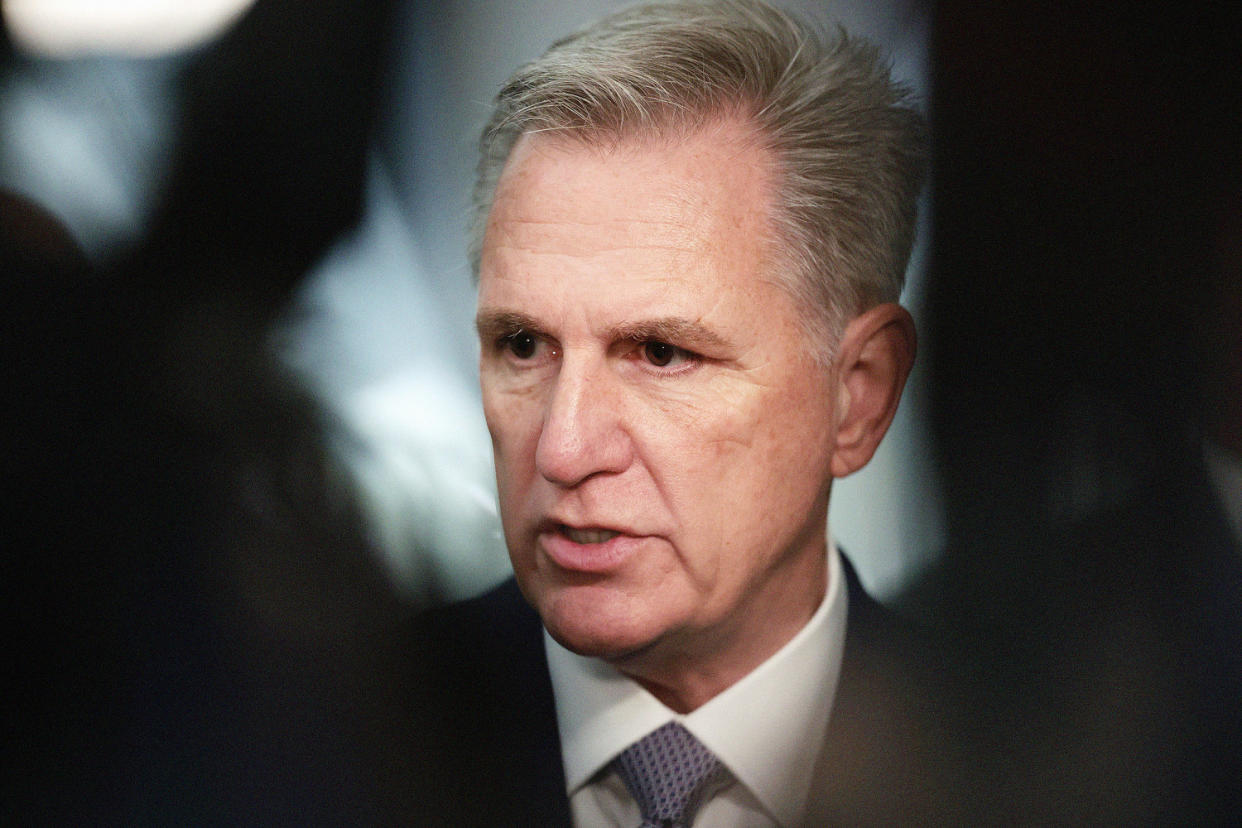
669,772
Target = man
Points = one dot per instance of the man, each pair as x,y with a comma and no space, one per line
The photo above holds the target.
693,226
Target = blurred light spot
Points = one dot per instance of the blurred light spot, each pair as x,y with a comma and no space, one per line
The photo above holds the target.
415,445
91,140
387,350
144,28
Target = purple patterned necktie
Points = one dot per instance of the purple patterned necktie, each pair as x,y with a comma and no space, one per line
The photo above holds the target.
669,772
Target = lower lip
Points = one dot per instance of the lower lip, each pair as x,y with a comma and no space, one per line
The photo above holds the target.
588,557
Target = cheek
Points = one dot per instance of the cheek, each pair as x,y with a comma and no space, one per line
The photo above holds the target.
514,426
697,455
796,438
737,428
760,460
514,474
513,420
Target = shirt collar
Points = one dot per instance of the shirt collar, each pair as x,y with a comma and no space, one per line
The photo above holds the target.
767,728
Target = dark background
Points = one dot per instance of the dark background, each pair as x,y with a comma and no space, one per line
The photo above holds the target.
1084,336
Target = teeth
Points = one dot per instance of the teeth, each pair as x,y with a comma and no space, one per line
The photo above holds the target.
588,535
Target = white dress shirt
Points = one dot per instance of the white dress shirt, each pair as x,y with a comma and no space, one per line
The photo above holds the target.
767,729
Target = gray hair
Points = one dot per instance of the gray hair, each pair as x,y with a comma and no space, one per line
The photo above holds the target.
849,147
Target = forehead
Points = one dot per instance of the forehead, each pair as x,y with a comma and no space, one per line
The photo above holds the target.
651,207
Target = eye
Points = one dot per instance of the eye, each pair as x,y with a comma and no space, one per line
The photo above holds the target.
661,354
522,344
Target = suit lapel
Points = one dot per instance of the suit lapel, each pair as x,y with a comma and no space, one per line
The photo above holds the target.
487,716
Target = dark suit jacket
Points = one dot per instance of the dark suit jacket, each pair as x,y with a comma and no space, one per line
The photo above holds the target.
486,721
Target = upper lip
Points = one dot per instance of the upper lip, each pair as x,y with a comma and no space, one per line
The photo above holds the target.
554,524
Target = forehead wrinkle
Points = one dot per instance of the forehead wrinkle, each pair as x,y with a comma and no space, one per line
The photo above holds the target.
590,240
676,231
538,250
576,220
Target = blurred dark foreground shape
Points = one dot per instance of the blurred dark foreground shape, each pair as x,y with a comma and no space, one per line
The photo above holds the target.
199,631
1084,344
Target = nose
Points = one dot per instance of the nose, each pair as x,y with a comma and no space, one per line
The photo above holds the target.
583,430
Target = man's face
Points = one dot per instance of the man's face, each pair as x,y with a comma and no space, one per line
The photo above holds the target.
661,431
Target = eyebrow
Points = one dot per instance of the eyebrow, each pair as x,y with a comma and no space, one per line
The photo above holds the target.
674,330
671,329
495,324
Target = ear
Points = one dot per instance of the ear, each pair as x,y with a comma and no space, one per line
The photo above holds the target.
873,361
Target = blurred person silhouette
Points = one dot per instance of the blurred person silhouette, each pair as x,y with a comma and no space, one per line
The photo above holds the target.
204,634
1080,355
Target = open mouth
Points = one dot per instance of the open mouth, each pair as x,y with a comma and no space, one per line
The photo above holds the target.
587,536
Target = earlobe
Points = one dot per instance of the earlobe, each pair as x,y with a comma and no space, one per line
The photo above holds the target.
873,361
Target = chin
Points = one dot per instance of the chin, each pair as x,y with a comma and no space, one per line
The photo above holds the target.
597,622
